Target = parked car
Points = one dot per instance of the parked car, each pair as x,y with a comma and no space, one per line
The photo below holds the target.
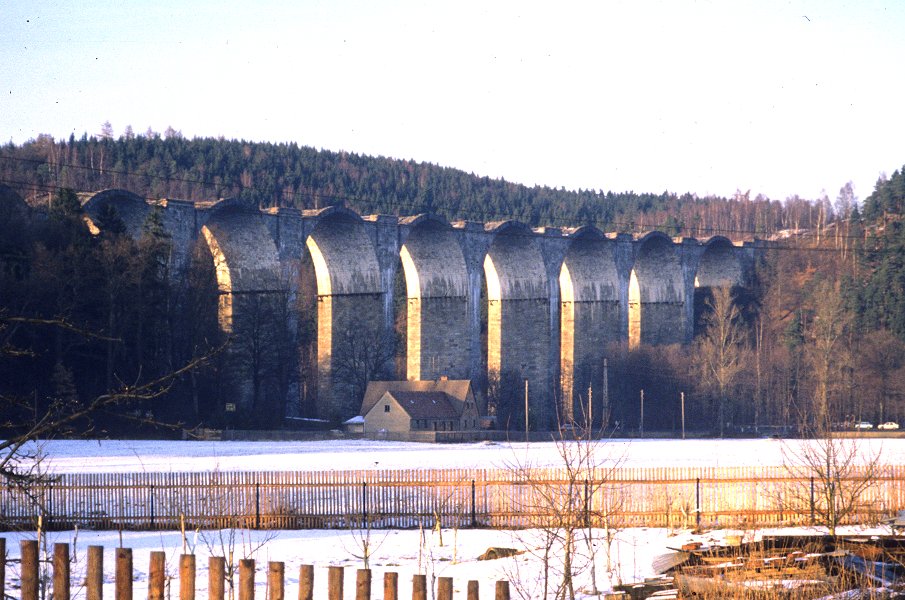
888,425
864,425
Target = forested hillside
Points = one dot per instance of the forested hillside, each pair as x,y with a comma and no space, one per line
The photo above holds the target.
819,337
171,166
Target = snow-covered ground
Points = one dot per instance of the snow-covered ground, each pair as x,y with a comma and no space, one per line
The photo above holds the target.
107,456
408,551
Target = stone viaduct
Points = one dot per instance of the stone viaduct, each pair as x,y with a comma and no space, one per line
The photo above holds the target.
481,300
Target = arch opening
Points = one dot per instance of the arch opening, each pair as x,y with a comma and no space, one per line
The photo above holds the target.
719,267
589,325
634,311
518,331
253,310
656,310
353,346
436,283
127,210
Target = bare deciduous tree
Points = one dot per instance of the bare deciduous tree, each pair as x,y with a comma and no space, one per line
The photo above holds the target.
882,360
561,509
825,349
721,350
829,476
363,352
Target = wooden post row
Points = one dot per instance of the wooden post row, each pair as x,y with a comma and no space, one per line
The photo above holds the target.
216,578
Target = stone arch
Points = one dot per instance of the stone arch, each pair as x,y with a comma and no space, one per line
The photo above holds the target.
252,308
245,257
346,275
589,318
720,265
436,288
130,208
656,309
518,323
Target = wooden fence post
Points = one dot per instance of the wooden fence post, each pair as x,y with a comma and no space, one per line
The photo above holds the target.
186,577
697,503
275,588
257,505
123,574
335,583
473,590
94,576
157,576
306,582
419,587
363,584
61,572
364,504
502,590
444,588
474,518
812,501
29,576
247,579
391,586
216,576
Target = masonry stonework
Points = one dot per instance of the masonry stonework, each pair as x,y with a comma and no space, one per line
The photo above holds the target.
553,299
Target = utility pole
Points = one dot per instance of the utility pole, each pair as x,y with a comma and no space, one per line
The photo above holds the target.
641,425
605,417
590,409
526,410
682,395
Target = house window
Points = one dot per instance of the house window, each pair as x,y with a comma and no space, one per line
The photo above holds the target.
386,408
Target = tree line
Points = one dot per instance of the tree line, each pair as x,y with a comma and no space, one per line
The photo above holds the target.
171,166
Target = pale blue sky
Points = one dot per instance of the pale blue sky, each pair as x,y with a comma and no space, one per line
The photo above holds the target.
779,97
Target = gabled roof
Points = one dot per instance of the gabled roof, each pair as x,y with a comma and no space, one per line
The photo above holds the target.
425,405
458,389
